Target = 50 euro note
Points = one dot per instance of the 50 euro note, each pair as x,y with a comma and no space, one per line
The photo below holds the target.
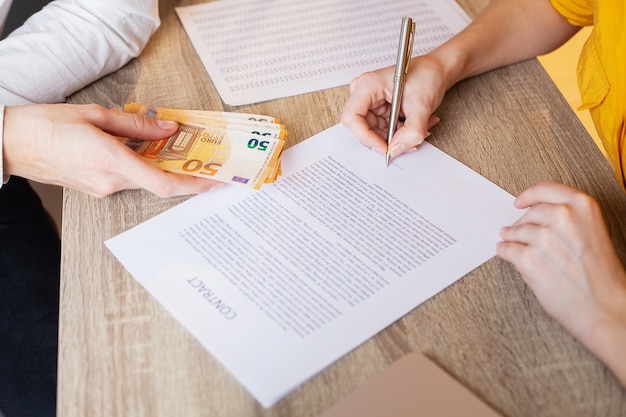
233,148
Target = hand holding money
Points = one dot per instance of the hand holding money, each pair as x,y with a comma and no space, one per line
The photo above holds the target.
236,148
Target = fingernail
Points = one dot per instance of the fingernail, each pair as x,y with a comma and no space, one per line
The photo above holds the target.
397,149
166,124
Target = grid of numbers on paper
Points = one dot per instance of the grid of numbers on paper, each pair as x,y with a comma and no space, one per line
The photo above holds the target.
256,47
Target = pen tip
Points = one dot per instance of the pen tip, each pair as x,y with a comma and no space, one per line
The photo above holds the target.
388,159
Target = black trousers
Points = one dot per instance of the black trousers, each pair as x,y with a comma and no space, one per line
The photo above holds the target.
30,253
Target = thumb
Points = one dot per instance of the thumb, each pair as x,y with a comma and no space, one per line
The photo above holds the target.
130,125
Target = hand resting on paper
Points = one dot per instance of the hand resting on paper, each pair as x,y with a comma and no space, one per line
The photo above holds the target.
77,146
563,251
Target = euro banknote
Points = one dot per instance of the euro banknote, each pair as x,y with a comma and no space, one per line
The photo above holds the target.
229,147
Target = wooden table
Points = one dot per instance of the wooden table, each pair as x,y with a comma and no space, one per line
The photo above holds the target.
122,354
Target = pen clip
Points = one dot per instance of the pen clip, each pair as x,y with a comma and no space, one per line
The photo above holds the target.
409,50
405,49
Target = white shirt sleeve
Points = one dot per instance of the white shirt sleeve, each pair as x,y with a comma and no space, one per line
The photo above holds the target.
69,44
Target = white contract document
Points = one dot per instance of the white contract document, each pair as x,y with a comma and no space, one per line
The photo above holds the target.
279,283
259,50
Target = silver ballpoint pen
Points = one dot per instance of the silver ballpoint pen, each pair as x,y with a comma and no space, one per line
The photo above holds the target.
405,49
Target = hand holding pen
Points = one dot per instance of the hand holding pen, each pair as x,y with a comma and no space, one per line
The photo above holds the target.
416,86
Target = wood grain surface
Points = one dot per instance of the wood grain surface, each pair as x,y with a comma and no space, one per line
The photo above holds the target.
122,354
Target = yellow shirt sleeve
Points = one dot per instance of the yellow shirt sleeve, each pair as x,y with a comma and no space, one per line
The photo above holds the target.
577,12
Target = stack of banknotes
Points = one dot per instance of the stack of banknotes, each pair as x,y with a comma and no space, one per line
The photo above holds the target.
235,148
